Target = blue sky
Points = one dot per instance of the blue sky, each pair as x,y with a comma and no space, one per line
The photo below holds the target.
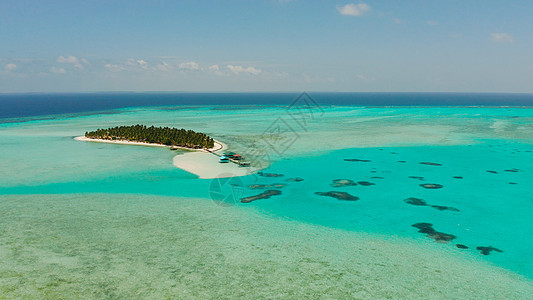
272,45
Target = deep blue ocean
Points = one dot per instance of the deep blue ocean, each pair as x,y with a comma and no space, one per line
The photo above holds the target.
32,105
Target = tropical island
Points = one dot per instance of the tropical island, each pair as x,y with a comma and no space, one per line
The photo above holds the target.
201,159
166,136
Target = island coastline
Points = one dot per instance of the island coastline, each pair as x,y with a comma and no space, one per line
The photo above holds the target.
218,145
200,162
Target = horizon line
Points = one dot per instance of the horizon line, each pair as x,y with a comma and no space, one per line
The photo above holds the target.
253,92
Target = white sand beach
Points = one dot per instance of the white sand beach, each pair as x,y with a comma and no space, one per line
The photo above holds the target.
218,146
206,166
199,162
86,139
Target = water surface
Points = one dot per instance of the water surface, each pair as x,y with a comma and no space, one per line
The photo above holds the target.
77,212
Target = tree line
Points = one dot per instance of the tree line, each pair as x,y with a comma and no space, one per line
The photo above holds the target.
157,135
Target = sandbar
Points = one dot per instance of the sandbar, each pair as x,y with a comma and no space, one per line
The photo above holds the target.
200,162
207,166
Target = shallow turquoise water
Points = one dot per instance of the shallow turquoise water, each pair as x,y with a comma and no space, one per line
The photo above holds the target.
41,157
493,212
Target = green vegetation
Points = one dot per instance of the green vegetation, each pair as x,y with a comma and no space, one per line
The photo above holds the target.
156,135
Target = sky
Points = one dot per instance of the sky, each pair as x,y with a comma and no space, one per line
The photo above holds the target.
270,45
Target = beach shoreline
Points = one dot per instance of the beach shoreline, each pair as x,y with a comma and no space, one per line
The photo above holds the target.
218,145
203,163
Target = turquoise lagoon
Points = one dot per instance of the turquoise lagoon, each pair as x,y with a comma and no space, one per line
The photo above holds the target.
99,220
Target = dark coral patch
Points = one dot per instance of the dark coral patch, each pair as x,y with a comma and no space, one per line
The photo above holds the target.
394,153
266,186
402,161
356,159
263,195
461,246
342,182
442,237
430,163
513,183
491,171
269,174
432,186
440,207
424,227
295,179
513,170
422,202
488,250
417,177
428,229
415,201
377,177
338,195
458,177
365,183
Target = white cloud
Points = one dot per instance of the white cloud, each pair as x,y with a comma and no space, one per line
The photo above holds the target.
432,23
140,65
135,64
241,69
501,37
397,21
215,69
353,9
58,70
193,66
10,67
114,67
73,60
143,63
68,60
163,66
